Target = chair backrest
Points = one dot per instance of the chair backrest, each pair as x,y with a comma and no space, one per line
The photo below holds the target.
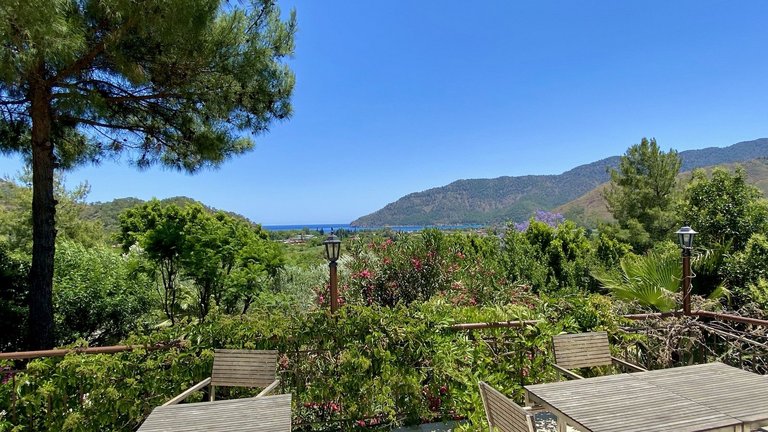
582,350
503,414
243,368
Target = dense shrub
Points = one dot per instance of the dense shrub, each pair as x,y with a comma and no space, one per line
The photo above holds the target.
97,295
465,268
557,258
747,267
13,300
724,208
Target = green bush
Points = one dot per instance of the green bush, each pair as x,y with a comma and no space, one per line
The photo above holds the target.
13,300
555,258
97,295
746,268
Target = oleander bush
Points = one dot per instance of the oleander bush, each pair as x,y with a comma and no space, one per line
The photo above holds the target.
472,269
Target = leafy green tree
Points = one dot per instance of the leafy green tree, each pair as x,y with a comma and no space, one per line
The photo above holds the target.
724,208
227,258
258,263
159,231
642,192
204,255
172,82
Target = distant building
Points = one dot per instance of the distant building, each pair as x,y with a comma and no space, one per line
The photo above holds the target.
299,239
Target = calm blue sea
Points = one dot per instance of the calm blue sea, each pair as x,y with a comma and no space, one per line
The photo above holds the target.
327,227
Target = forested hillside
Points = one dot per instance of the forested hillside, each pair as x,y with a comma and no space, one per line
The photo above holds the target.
516,198
106,213
591,208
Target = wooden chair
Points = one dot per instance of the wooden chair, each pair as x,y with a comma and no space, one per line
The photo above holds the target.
580,350
237,368
503,414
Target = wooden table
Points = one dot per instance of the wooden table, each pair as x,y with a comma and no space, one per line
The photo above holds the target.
262,414
709,397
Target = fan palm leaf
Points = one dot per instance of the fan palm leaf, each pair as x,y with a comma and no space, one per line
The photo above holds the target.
651,280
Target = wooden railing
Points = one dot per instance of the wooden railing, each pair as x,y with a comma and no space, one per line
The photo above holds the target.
636,317
25,355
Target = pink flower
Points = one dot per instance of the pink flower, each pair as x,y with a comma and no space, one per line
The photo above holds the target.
365,274
416,263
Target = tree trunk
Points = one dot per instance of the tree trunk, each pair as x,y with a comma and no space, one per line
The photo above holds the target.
43,221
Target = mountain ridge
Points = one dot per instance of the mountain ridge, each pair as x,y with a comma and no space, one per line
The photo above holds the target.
500,199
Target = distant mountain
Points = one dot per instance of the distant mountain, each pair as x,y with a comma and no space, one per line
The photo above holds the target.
591,208
485,201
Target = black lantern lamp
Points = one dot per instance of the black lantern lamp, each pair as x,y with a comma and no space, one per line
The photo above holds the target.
332,248
332,251
685,239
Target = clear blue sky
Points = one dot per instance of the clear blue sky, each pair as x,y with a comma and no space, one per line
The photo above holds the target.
394,97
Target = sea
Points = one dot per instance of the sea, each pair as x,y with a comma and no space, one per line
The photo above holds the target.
402,228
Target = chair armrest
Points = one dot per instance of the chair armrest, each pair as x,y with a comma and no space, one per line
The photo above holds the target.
566,372
534,409
268,388
628,365
188,392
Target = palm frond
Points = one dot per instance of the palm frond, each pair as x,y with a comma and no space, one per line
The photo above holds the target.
651,279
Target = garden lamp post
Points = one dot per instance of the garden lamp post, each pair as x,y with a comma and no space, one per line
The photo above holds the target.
332,250
685,239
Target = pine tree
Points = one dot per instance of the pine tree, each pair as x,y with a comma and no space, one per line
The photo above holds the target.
170,82
641,193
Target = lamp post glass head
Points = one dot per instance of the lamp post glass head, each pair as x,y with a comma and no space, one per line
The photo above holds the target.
685,237
332,248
